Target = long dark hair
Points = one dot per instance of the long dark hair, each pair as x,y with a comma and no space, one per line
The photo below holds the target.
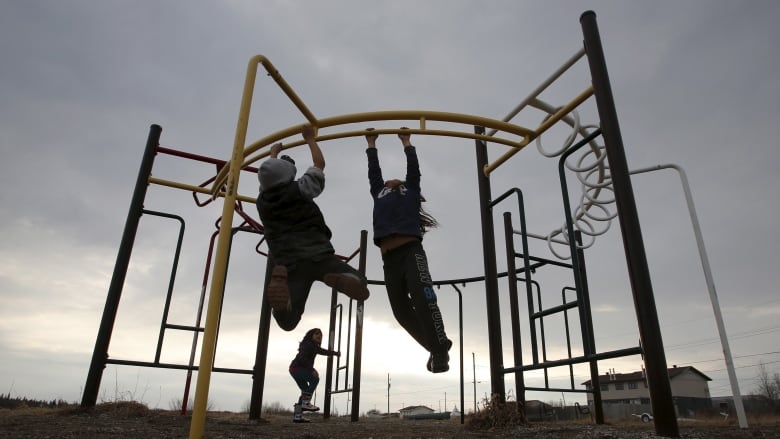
427,221
310,334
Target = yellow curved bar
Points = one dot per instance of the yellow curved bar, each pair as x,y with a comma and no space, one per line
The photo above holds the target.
199,189
544,126
273,73
360,133
422,115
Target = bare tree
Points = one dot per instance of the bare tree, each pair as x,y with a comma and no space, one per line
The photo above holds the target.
768,384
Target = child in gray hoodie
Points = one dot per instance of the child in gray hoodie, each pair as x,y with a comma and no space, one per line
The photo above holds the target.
298,238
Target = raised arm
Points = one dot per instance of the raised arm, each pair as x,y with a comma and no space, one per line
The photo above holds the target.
317,157
374,170
412,164
275,149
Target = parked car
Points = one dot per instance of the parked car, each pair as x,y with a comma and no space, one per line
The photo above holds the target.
645,417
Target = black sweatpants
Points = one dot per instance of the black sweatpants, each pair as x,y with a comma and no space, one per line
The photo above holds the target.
412,298
300,277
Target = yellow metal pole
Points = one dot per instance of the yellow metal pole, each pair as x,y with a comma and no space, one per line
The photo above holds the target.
199,189
360,133
364,117
421,115
542,128
273,73
220,264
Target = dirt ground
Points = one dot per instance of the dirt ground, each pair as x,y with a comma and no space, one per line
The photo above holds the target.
115,422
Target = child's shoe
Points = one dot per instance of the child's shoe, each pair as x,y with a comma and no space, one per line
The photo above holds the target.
298,415
309,407
348,284
439,362
278,294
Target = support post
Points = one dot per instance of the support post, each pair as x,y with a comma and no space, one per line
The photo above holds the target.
639,274
261,353
517,347
491,276
705,263
208,345
358,361
100,353
587,314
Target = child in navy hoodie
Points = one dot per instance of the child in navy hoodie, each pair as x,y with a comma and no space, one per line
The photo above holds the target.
399,225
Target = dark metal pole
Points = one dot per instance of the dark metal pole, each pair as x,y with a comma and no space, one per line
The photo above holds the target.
460,331
591,339
334,306
639,274
171,281
198,328
100,353
517,348
358,335
491,279
261,353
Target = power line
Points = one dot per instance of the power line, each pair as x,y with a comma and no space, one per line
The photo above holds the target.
738,356
761,331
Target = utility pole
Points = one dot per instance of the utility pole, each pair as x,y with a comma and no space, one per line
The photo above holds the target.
474,377
388,394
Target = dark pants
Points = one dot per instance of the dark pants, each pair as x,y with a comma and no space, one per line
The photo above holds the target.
300,277
412,298
307,380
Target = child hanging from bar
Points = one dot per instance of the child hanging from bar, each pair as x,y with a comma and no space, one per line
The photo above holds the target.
399,225
298,238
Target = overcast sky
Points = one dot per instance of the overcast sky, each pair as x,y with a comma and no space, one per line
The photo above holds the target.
695,85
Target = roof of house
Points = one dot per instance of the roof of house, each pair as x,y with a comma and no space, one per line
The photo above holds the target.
639,375
413,407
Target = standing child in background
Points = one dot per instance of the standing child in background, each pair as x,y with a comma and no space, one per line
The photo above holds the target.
298,238
399,225
303,372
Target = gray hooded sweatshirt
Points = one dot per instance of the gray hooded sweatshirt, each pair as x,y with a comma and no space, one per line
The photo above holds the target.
293,223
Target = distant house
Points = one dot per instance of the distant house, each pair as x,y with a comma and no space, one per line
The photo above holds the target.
374,413
690,390
414,410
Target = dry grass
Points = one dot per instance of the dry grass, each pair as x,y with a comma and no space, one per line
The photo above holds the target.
497,414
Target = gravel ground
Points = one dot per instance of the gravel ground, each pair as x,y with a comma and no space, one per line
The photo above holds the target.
115,422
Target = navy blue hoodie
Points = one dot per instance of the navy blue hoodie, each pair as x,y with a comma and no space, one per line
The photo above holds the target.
396,210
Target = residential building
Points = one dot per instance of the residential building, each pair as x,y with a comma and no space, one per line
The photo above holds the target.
690,390
414,410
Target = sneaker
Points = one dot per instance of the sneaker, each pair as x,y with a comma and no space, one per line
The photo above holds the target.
439,362
278,294
348,284
299,419
309,407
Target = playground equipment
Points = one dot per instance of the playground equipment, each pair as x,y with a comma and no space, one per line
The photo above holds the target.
609,168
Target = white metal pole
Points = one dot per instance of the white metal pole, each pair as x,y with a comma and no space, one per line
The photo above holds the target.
724,341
